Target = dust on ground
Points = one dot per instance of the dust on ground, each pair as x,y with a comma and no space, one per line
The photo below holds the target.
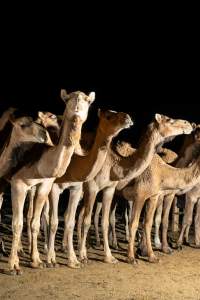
176,276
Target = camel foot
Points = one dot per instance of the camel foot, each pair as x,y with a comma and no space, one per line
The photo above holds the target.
132,261
74,264
52,265
38,265
167,250
85,261
153,259
158,246
110,260
179,247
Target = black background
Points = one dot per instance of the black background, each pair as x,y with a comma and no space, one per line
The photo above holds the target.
140,62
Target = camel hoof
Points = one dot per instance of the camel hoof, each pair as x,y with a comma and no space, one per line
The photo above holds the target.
167,250
179,247
19,272
85,261
110,260
158,246
74,265
36,265
153,259
132,261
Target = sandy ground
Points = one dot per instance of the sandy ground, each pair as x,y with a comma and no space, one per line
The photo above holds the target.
176,276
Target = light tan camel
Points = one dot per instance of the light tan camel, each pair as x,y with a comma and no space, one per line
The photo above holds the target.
81,169
51,163
117,171
157,179
24,134
188,153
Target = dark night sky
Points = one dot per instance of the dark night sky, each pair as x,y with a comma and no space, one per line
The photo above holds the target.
141,70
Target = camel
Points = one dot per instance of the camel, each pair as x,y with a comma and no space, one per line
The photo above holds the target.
117,171
158,178
81,169
5,117
188,153
49,164
24,134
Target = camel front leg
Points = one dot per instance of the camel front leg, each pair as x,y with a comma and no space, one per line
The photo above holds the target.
96,223
158,218
30,196
168,200
113,236
54,196
75,196
108,194
187,219
148,226
45,225
133,226
40,199
90,193
18,194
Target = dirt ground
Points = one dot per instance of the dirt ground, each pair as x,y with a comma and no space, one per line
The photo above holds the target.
176,276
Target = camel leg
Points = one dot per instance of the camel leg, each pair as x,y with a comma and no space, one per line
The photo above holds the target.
96,223
187,219
54,196
113,224
79,226
40,199
108,194
45,225
89,199
30,195
158,218
168,200
75,196
148,226
197,224
126,223
1,202
133,226
18,194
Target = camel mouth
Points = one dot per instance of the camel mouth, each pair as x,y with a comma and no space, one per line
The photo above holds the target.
128,123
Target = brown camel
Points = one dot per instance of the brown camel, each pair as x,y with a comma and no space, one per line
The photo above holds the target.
46,167
81,169
117,171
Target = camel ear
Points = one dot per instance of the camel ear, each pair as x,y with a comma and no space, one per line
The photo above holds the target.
91,97
194,125
40,114
99,112
158,118
63,95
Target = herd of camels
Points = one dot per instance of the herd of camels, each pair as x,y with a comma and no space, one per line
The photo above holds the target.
43,157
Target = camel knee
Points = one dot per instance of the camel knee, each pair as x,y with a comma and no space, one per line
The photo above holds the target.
54,226
35,226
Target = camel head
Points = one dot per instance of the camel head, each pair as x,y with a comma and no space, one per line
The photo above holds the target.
47,119
77,104
26,130
112,122
169,127
124,149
